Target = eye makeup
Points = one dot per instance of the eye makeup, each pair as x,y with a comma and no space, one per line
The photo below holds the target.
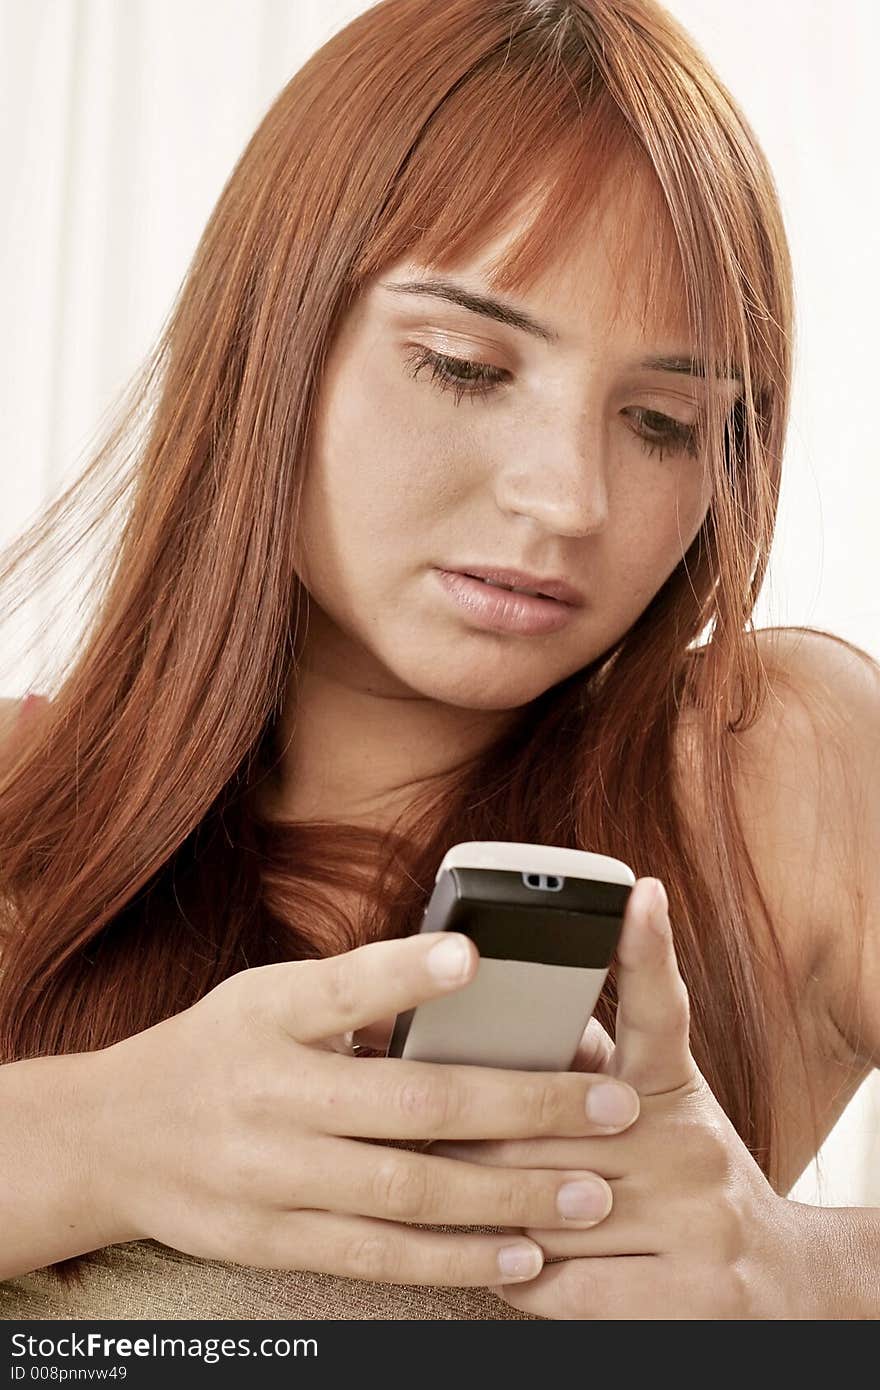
478,380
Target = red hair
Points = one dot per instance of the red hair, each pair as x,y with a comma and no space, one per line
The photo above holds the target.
136,872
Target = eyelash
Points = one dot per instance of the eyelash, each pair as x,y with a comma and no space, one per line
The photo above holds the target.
676,438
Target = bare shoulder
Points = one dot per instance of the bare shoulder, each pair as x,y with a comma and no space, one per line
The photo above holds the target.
808,790
839,686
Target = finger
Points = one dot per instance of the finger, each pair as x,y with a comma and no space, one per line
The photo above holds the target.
397,1185
638,1287
610,1155
595,1049
652,1050
637,1224
375,1035
360,1247
339,1043
391,1098
310,1000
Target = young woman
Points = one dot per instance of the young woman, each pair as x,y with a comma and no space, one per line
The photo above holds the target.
498,288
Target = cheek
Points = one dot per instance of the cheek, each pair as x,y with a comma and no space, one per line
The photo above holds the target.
656,529
382,445
695,499
380,478
677,512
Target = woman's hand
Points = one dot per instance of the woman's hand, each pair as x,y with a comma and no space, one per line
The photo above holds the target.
696,1231
228,1130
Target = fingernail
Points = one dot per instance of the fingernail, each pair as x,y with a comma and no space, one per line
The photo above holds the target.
584,1200
646,896
449,959
609,1104
520,1261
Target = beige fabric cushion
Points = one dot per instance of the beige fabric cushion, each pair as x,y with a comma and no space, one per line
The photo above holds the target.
147,1280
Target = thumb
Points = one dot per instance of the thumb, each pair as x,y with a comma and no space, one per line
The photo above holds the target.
652,1049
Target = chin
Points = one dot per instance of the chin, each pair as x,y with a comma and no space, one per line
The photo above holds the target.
475,692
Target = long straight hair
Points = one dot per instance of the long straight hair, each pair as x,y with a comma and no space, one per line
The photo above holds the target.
137,873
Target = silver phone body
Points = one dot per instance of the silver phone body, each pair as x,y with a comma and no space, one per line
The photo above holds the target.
546,921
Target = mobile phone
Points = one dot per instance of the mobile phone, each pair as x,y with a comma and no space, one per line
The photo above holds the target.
546,922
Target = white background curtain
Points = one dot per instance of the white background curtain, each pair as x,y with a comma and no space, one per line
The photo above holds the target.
122,121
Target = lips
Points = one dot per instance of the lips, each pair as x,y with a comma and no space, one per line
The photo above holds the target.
496,609
511,588
521,581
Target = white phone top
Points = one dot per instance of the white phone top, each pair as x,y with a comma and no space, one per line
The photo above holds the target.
536,859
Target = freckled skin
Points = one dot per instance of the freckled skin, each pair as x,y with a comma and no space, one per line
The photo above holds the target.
548,473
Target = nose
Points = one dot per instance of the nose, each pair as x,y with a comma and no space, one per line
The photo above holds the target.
558,479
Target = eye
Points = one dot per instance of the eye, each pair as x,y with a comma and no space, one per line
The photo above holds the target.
666,434
478,379
455,373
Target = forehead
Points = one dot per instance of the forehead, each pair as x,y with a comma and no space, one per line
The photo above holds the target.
617,268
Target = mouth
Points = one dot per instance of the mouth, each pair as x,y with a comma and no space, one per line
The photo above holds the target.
500,607
510,588
549,589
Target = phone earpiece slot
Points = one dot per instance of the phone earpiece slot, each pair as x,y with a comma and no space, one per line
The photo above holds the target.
550,883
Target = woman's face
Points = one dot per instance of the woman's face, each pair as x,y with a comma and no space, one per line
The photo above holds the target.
555,470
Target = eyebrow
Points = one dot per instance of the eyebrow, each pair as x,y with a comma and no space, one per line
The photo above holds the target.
511,317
